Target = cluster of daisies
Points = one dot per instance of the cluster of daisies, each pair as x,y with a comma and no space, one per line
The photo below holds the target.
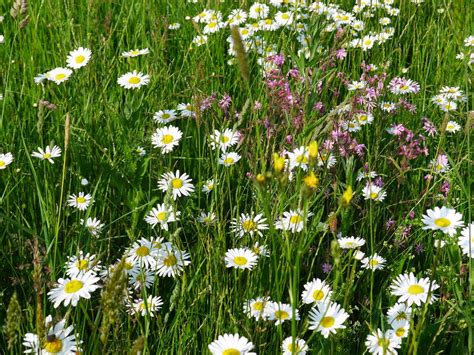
448,99
295,17
467,55
76,59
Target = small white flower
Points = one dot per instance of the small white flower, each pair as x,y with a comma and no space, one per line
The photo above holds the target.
48,154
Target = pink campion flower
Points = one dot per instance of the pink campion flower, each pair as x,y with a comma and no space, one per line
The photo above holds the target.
341,54
402,86
429,127
445,188
225,102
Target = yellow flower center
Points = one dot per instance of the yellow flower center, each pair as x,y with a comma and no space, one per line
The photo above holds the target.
73,286
228,160
81,199
47,155
134,52
281,315
363,118
142,251
249,225
285,16
373,195
80,59
443,222
327,322
268,21
53,345
167,139
165,116
231,351
401,316
415,290
82,264
383,343
296,219
373,262
128,266
177,183
400,332
60,76
2,163
301,159
170,260
224,139
161,216
134,80
258,306
318,295
240,260
212,24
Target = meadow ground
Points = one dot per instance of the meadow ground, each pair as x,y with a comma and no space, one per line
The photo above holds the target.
236,177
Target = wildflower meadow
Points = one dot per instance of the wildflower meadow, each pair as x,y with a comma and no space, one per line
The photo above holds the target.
236,177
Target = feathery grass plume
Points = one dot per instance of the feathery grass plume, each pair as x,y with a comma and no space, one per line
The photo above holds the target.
47,104
38,287
12,325
19,8
138,345
240,53
112,296
67,131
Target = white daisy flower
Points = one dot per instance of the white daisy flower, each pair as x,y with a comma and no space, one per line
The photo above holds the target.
174,26
140,151
162,215
326,159
373,192
80,264
213,27
58,75
381,343
327,318
58,340
293,221
179,185
186,110
143,252
399,312
208,186
260,250
48,154
71,290
165,116
294,347
200,40
356,85
452,127
284,18
400,328
364,118
229,159
255,307
93,225
249,224
299,158
81,201
444,219
166,138
279,312
223,140
171,261
447,106
350,242
469,41
229,344
413,291
315,292
236,17
135,53
208,218
133,80
5,160
466,241
258,10
241,258
148,306
373,262
79,58
141,277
